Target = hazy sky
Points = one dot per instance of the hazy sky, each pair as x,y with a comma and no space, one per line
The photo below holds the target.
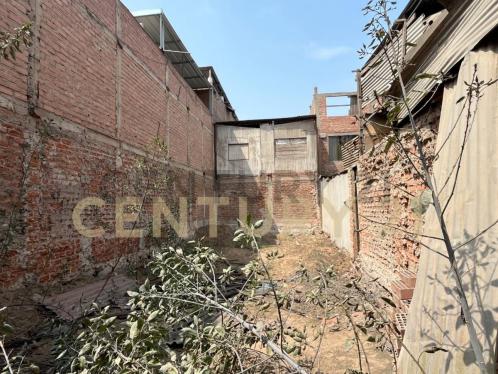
270,54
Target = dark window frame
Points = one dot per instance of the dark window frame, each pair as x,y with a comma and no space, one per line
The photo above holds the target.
335,150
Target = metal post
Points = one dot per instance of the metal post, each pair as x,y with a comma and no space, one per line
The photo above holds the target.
161,31
359,110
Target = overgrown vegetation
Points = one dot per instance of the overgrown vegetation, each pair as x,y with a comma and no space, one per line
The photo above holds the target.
187,297
196,313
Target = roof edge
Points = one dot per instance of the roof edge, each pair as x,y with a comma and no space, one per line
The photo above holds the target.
276,121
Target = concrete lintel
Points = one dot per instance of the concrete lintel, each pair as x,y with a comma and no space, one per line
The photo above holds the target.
338,94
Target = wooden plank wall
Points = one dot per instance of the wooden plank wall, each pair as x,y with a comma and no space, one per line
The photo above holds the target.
261,143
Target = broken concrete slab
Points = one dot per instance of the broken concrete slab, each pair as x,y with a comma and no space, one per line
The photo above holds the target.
72,304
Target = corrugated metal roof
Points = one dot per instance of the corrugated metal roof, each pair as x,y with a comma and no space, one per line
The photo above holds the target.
463,29
434,318
155,23
157,26
276,121
379,78
436,52
209,71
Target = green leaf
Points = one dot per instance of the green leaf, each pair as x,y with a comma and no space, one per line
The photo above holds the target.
168,369
389,143
362,328
152,316
61,355
426,76
420,203
348,345
388,301
435,349
258,224
134,330
34,369
6,329
238,238
85,349
109,321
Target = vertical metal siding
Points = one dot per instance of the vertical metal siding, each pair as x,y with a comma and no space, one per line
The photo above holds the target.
435,314
336,212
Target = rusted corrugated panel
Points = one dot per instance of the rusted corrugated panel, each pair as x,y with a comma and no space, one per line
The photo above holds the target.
336,211
72,304
350,152
465,27
380,77
435,314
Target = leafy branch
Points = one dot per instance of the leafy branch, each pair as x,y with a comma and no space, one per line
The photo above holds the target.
11,43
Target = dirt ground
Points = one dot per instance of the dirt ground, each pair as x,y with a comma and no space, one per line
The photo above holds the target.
337,351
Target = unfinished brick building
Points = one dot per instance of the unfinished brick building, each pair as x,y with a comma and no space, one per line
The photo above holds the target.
337,123
120,113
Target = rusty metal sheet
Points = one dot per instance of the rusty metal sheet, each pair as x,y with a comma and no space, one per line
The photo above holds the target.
464,28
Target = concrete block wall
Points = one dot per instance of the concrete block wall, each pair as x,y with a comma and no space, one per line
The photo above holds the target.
78,109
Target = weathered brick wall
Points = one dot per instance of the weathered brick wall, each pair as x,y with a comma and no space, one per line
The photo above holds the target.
327,126
220,110
386,181
287,202
100,93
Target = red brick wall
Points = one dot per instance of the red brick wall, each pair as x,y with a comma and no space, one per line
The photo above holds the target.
288,202
220,110
327,126
102,93
385,182
14,73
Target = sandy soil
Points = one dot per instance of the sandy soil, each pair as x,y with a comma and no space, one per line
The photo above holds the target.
337,351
